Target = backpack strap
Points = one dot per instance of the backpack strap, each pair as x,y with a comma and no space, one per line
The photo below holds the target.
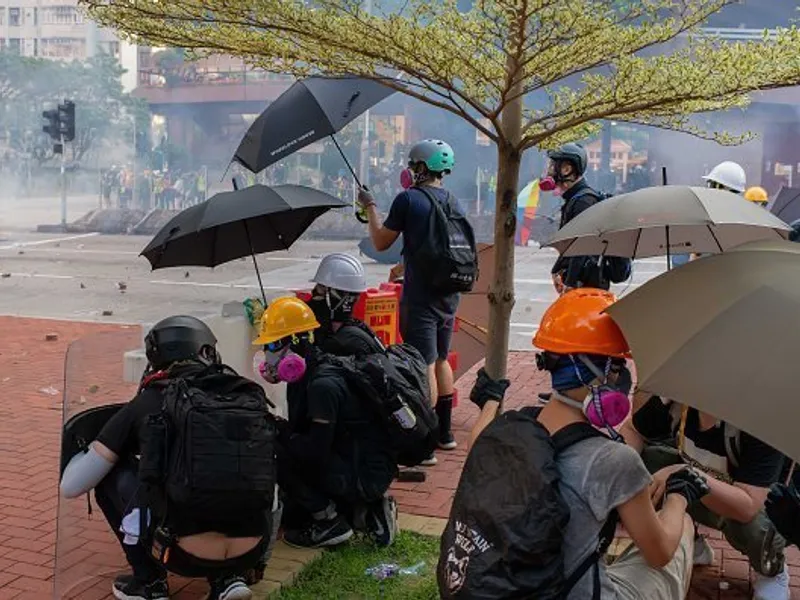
593,560
367,332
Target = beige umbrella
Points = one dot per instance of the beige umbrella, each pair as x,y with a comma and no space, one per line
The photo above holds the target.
672,219
722,334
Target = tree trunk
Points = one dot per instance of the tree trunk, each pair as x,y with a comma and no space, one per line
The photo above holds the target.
501,290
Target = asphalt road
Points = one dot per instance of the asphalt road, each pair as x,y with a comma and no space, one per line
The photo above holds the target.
77,277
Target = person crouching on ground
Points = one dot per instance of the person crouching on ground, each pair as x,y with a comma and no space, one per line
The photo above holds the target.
222,543
334,468
742,469
600,476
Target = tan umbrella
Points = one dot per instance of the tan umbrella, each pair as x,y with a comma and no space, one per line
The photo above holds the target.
672,219
722,334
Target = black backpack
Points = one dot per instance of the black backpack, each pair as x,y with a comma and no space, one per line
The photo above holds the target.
393,383
505,535
211,449
615,269
447,259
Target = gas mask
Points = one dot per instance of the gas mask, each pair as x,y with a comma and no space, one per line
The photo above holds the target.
553,180
332,306
413,175
605,406
281,364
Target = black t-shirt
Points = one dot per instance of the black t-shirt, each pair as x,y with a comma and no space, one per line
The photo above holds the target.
759,464
124,434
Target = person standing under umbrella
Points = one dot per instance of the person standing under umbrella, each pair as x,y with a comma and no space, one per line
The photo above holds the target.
426,319
728,176
565,177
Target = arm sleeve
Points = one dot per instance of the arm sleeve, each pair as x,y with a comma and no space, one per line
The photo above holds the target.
324,397
396,220
760,465
653,420
83,473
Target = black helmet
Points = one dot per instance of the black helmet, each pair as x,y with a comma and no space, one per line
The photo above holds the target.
574,153
175,339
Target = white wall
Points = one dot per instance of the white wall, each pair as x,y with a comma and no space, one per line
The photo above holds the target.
234,342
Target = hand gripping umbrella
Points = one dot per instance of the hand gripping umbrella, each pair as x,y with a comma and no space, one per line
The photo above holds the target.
236,224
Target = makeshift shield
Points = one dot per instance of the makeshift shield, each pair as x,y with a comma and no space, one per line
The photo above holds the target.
88,556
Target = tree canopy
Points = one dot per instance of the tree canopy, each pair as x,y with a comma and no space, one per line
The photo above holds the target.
527,73
103,110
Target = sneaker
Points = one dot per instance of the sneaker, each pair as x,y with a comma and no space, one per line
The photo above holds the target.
230,588
772,588
430,461
330,532
447,441
127,587
381,521
703,552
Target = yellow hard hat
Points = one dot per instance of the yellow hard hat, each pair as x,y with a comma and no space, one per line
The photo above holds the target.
756,194
284,318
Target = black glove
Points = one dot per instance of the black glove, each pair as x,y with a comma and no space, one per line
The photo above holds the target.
688,483
783,509
486,389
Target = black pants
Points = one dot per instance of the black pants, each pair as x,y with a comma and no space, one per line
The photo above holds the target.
307,491
116,496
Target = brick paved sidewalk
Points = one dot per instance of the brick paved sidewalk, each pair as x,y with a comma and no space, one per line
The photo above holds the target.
31,382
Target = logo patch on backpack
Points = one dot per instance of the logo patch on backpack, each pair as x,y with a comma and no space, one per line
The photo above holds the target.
467,542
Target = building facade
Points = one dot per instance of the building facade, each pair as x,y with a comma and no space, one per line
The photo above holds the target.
53,29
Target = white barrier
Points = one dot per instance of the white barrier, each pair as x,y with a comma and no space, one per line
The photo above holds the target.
234,342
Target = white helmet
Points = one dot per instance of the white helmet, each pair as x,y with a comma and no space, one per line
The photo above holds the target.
341,271
729,175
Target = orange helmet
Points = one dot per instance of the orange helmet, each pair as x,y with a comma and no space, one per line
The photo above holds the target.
576,324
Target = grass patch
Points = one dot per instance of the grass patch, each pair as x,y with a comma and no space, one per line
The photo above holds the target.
339,574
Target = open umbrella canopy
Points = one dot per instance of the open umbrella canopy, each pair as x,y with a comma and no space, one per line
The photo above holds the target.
786,205
309,110
658,221
236,224
720,334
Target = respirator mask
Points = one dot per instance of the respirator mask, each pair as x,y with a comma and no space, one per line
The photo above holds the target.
605,406
281,364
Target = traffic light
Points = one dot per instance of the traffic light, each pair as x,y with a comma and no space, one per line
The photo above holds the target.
66,117
52,128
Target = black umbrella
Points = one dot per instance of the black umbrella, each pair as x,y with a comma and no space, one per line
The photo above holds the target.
236,224
786,205
308,111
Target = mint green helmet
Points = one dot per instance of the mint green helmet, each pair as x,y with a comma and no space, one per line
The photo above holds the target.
437,155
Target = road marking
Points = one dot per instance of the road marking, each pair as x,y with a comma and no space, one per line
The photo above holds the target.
243,286
42,276
48,241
